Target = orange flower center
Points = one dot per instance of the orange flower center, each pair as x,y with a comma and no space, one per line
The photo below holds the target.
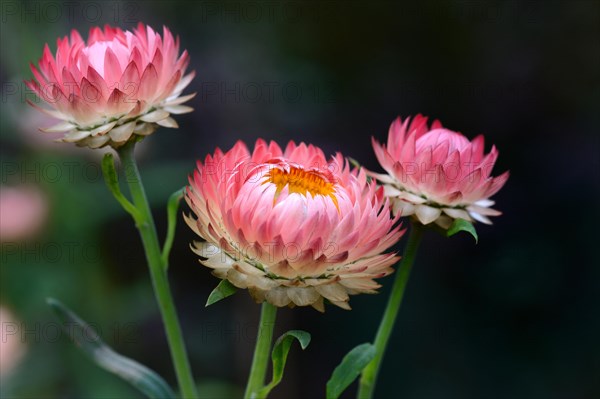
302,182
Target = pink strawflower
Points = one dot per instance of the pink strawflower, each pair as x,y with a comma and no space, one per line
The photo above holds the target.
291,226
118,85
436,174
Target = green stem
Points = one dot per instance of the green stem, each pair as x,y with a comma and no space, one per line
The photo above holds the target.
262,350
369,374
147,230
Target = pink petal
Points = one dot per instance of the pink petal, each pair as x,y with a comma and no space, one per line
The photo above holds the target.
112,68
148,83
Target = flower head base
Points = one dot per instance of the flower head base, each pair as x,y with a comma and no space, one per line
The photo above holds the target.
117,86
436,174
290,225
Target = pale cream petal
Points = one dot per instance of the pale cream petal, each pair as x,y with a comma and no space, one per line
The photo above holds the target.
401,207
415,199
333,292
191,222
341,304
483,211
98,141
319,305
484,203
215,263
303,296
264,283
122,133
238,279
103,129
480,218
184,82
75,135
220,273
178,109
444,222
257,294
60,127
278,297
427,214
155,116
383,178
244,267
144,129
391,191
179,100
168,122
363,284
457,213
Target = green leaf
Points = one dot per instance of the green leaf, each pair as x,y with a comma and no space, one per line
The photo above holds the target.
222,291
172,207
280,354
112,182
462,225
351,366
86,339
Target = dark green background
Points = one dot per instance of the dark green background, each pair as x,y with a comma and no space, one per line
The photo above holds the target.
516,316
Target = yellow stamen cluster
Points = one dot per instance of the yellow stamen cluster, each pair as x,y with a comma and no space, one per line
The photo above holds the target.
302,182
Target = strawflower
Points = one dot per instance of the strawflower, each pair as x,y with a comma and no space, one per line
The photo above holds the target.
117,86
291,226
437,174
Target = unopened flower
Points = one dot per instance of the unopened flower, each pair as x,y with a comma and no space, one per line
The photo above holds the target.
290,225
118,85
436,174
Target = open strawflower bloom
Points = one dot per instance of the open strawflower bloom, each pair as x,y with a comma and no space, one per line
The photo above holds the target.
436,174
290,225
116,86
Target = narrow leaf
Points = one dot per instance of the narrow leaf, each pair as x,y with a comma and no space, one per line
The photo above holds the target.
354,163
280,354
112,182
172,207
222,291
86,339
351,366
462,225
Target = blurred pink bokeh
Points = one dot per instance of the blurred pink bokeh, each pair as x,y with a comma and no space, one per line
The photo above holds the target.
23,211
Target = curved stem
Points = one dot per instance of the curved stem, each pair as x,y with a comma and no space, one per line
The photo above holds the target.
162,291
369,374
262,350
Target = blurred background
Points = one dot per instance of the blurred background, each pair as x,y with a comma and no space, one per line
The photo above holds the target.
515,316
